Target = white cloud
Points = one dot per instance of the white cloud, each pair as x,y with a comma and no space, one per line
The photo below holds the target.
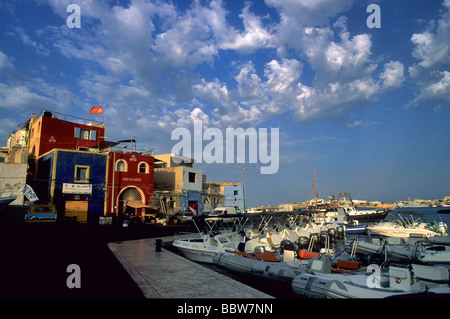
162,59
295,16
432,47
392,75
144,58
437,89
282,77
249,83
357,123
19,92
432,51
334,100
254,36
5,62
26,39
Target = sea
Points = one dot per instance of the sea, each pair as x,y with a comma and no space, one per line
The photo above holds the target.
282,291
428,213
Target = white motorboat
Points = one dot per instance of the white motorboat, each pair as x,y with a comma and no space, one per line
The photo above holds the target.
392,229
434,250
365,215
204,248
404,228
396,281
347,206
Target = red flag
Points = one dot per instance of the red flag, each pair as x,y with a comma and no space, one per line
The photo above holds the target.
96,110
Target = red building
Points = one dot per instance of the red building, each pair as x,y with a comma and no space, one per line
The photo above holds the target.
47,132
129,176
130,183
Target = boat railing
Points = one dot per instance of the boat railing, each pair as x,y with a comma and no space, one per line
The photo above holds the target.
186,235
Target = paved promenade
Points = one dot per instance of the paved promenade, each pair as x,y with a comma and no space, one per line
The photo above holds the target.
167,275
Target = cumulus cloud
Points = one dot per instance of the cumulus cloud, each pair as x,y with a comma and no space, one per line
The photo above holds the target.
432,52
393,74
147,60
254,36
437,89
162,59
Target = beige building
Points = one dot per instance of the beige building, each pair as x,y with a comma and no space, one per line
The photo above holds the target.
12,179
177,185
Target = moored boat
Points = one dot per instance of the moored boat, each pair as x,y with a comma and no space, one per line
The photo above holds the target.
261,264
5,201
404,228
204,248
397,280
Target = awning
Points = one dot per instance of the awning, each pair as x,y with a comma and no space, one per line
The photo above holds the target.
138,204
105,144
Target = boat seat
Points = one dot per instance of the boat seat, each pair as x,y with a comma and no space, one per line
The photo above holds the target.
267,256
240,253
347,264
304,254
274,239
432,273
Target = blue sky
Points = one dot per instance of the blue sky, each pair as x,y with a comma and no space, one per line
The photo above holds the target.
368,107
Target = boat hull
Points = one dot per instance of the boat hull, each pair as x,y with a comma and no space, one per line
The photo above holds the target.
5,201
197,251
322,287
401,233
278,271
369,216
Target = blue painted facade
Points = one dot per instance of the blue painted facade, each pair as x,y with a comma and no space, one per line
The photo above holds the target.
192,198
65,166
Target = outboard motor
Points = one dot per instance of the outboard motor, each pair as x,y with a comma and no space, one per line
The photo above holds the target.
288,249
286,244
302,242
332,234
340,231
442,228
323,237
314,241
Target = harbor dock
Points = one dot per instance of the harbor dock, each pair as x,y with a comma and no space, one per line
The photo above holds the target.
165,274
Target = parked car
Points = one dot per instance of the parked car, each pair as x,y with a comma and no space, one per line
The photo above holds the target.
41,213
221,213
182,217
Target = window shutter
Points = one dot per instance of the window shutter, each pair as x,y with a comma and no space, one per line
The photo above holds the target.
93,135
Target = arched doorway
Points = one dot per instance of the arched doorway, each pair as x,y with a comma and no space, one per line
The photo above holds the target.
130,193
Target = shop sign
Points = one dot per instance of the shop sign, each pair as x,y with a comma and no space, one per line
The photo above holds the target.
77,188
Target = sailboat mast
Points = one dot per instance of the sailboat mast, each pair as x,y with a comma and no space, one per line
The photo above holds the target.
315,185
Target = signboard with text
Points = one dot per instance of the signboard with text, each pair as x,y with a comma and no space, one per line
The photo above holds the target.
69,188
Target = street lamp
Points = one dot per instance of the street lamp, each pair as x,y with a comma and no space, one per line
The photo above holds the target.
243,194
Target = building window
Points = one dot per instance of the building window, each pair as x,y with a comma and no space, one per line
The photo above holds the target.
192,177
121,166
143,168
85,134
81,174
